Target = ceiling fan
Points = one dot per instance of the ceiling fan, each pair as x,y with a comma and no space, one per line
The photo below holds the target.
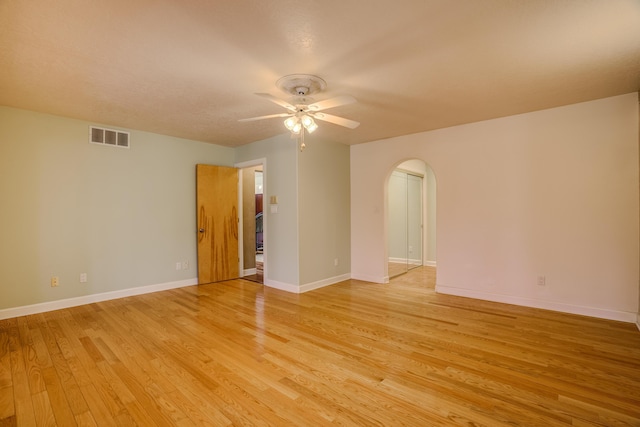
302,109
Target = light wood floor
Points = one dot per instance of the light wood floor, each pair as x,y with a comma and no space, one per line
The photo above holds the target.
395,269
259,276
351,354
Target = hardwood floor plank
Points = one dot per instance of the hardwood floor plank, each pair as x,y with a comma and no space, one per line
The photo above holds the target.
70,387
42,409
138,416
194,391
58,398
34,373
97,406
9,421
7,408
21,394
86,420
160,411
5,361
604,415
237,353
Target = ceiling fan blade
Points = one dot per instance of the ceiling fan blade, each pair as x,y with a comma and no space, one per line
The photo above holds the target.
332,102
352,124
278,101
270,116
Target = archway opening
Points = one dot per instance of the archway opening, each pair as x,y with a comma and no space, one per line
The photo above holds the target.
410,217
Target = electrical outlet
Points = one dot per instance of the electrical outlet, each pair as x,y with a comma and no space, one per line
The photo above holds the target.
55,281
83,277
185,265
335,262
542,281
178,266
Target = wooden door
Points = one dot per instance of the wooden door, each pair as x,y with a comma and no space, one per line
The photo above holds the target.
217,217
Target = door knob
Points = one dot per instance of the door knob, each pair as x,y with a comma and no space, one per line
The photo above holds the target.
201,230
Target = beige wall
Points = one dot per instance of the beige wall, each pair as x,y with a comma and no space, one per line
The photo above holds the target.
551,193
311,228
123,216
279,154
126,217
324,213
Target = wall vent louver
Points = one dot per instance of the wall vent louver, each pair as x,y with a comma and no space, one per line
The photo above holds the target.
103,136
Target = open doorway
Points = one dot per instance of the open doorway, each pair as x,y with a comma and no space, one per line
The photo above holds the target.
253,226
259,221
410,217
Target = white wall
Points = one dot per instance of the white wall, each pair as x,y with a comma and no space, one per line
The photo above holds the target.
431,196
551,193
123,216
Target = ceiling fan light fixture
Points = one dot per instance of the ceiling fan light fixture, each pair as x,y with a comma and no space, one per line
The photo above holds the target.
303,111
306,121
290,122
295,124
313,126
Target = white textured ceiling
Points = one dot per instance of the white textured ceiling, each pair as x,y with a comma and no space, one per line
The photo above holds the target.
190,68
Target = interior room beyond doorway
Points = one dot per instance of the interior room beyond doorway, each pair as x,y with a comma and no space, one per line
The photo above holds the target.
253,223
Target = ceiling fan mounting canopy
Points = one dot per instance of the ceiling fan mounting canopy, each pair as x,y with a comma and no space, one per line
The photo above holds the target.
301,84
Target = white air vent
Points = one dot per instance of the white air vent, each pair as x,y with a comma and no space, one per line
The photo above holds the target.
116,138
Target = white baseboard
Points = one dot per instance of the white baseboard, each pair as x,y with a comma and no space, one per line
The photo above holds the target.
288,287
325,282
373,279
306,287
430,264
8,313
248,272
621,316
638,321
